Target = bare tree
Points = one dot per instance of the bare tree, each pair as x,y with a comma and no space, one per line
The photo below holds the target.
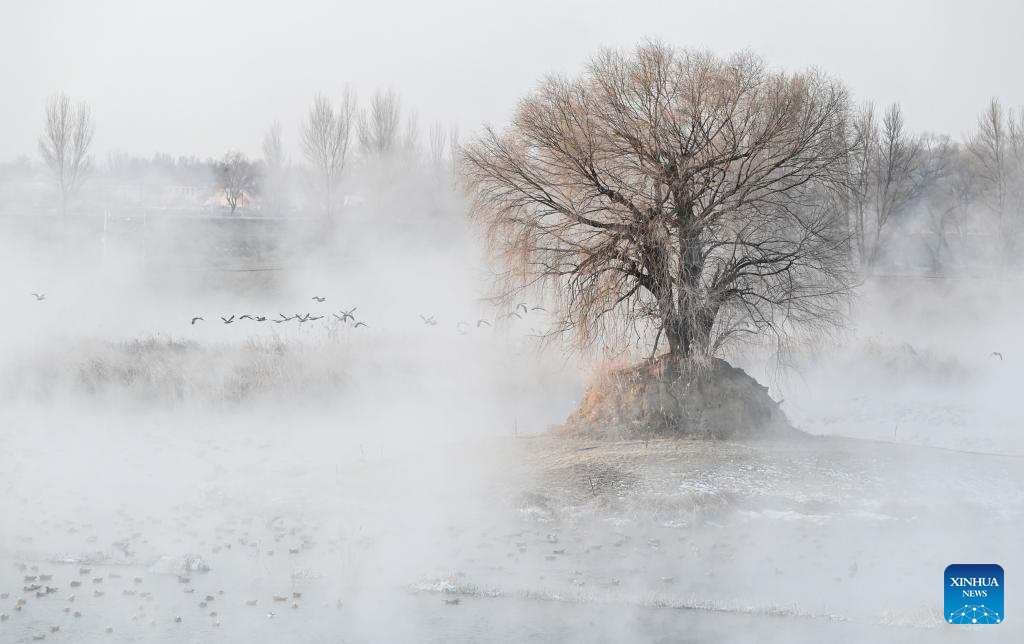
379,124
454,152
990,147
326,135
64,145
890,171
673,192
238,178
275,164
411,137
898,174
273,149
437,143
948,201
998,149
860,192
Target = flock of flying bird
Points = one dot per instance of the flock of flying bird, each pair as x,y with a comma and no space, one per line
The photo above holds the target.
462,326
348,316
341,316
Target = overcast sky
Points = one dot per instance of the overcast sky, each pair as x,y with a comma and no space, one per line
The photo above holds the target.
200,77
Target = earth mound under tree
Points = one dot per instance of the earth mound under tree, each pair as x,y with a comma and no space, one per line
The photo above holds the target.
657,399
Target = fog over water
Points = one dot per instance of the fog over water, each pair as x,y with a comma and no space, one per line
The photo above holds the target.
311,416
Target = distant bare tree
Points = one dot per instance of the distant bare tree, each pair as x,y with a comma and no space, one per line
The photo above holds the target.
998,149
990,147
1015,184
379,124
454,150
948,202
64,145
326,135
437,143
273,149
861,183
890,171
898,173
444,151
411,137
275,164
238,178
673,192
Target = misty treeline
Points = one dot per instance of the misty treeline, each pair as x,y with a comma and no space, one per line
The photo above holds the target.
962,202
346,152
916,201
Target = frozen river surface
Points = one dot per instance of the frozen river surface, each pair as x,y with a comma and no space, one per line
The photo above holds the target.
500,540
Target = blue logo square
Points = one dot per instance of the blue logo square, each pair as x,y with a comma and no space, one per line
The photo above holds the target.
974,594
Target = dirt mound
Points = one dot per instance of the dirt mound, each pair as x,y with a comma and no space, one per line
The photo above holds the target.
666,399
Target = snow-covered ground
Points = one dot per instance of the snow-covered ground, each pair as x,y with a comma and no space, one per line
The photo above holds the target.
537,539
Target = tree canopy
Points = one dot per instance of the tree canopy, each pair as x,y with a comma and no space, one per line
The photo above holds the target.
673,192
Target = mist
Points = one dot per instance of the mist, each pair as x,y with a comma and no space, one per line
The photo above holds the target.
277,365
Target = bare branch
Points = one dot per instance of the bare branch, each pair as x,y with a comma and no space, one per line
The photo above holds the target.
675,192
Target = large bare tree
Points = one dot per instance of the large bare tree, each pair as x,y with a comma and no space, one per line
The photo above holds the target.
65,143
326,135
673,192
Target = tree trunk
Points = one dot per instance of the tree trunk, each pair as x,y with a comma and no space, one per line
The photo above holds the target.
676,336
690,270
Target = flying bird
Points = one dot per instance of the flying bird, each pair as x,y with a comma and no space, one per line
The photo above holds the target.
39,296
348,315
428,320
522,306
196,319
513,314
538,308
480,323
261,318
359,324
245,317
228,320
318,298
996,354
